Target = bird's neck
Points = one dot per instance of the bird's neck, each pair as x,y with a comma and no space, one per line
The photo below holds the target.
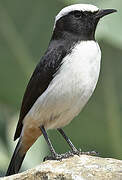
67,40
70,36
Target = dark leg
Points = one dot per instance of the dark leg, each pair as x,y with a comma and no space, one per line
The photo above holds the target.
74,150
67,140
54,155
52,150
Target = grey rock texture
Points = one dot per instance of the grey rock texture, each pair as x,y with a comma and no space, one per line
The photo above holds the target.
82,167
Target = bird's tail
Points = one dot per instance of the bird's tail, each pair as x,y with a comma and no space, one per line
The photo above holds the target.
16,160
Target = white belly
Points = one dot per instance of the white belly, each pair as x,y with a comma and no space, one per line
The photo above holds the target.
70,89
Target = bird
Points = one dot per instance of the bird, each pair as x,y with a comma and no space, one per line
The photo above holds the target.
62,82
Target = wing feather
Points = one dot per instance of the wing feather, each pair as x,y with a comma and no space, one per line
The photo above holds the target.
39,82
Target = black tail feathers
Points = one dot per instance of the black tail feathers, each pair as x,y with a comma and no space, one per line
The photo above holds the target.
16,160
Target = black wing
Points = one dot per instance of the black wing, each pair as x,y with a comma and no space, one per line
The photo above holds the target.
39,82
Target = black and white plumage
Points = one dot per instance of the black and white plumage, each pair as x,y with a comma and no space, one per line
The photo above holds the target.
64,79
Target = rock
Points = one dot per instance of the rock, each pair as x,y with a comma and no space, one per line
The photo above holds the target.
82,167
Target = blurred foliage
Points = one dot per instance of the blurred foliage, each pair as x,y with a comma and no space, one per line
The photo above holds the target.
25,30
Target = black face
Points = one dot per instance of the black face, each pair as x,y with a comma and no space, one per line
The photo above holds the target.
78,23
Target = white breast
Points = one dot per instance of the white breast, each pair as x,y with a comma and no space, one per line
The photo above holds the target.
71,87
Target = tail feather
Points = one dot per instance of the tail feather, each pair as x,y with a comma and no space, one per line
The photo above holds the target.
16,160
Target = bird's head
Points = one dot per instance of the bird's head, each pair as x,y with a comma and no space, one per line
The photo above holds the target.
80,20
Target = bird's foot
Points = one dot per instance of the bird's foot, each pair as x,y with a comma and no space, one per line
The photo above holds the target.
91,153
79,152
58,157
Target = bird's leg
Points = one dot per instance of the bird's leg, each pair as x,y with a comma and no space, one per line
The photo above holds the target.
54,155
52,150
73,148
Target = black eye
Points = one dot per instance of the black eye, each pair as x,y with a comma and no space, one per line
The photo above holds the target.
77,14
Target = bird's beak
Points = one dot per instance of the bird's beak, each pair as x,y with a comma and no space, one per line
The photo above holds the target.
104,12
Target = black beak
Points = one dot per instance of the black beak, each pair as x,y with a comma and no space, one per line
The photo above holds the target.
104,12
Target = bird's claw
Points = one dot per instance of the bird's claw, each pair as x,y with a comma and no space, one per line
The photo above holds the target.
59,157
79,152
91,153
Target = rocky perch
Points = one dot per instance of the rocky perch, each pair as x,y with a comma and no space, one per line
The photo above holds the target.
82,167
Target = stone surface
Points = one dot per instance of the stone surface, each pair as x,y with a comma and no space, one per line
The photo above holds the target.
75,168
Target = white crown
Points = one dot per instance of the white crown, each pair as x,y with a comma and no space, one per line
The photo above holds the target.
76,7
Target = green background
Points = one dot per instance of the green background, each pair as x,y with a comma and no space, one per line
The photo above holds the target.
25,31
